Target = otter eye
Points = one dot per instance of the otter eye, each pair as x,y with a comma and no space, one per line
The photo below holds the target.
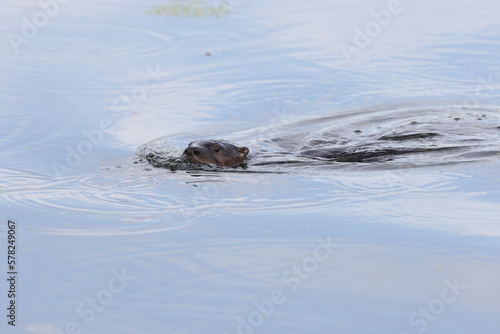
216,149
196,152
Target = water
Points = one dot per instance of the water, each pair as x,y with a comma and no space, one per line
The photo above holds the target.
108,244
417,136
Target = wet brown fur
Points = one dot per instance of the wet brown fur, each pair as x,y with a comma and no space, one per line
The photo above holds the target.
217,152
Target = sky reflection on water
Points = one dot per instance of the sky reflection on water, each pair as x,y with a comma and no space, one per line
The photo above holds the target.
204,247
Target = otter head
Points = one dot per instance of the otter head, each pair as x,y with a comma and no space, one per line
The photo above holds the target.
217,152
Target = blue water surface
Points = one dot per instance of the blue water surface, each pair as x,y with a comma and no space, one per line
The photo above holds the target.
108,244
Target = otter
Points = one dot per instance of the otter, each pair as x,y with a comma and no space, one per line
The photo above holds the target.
218,152
226,154
222,153
312,144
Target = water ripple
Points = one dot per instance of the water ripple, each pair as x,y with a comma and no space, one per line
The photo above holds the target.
71,42
155,199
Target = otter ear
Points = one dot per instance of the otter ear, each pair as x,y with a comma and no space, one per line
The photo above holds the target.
243,150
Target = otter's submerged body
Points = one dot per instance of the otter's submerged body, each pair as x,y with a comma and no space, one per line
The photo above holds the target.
227,154
419,136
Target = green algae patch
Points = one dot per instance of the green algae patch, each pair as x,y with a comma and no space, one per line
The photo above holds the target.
190,8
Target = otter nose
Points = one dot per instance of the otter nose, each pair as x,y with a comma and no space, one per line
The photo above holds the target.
192,151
